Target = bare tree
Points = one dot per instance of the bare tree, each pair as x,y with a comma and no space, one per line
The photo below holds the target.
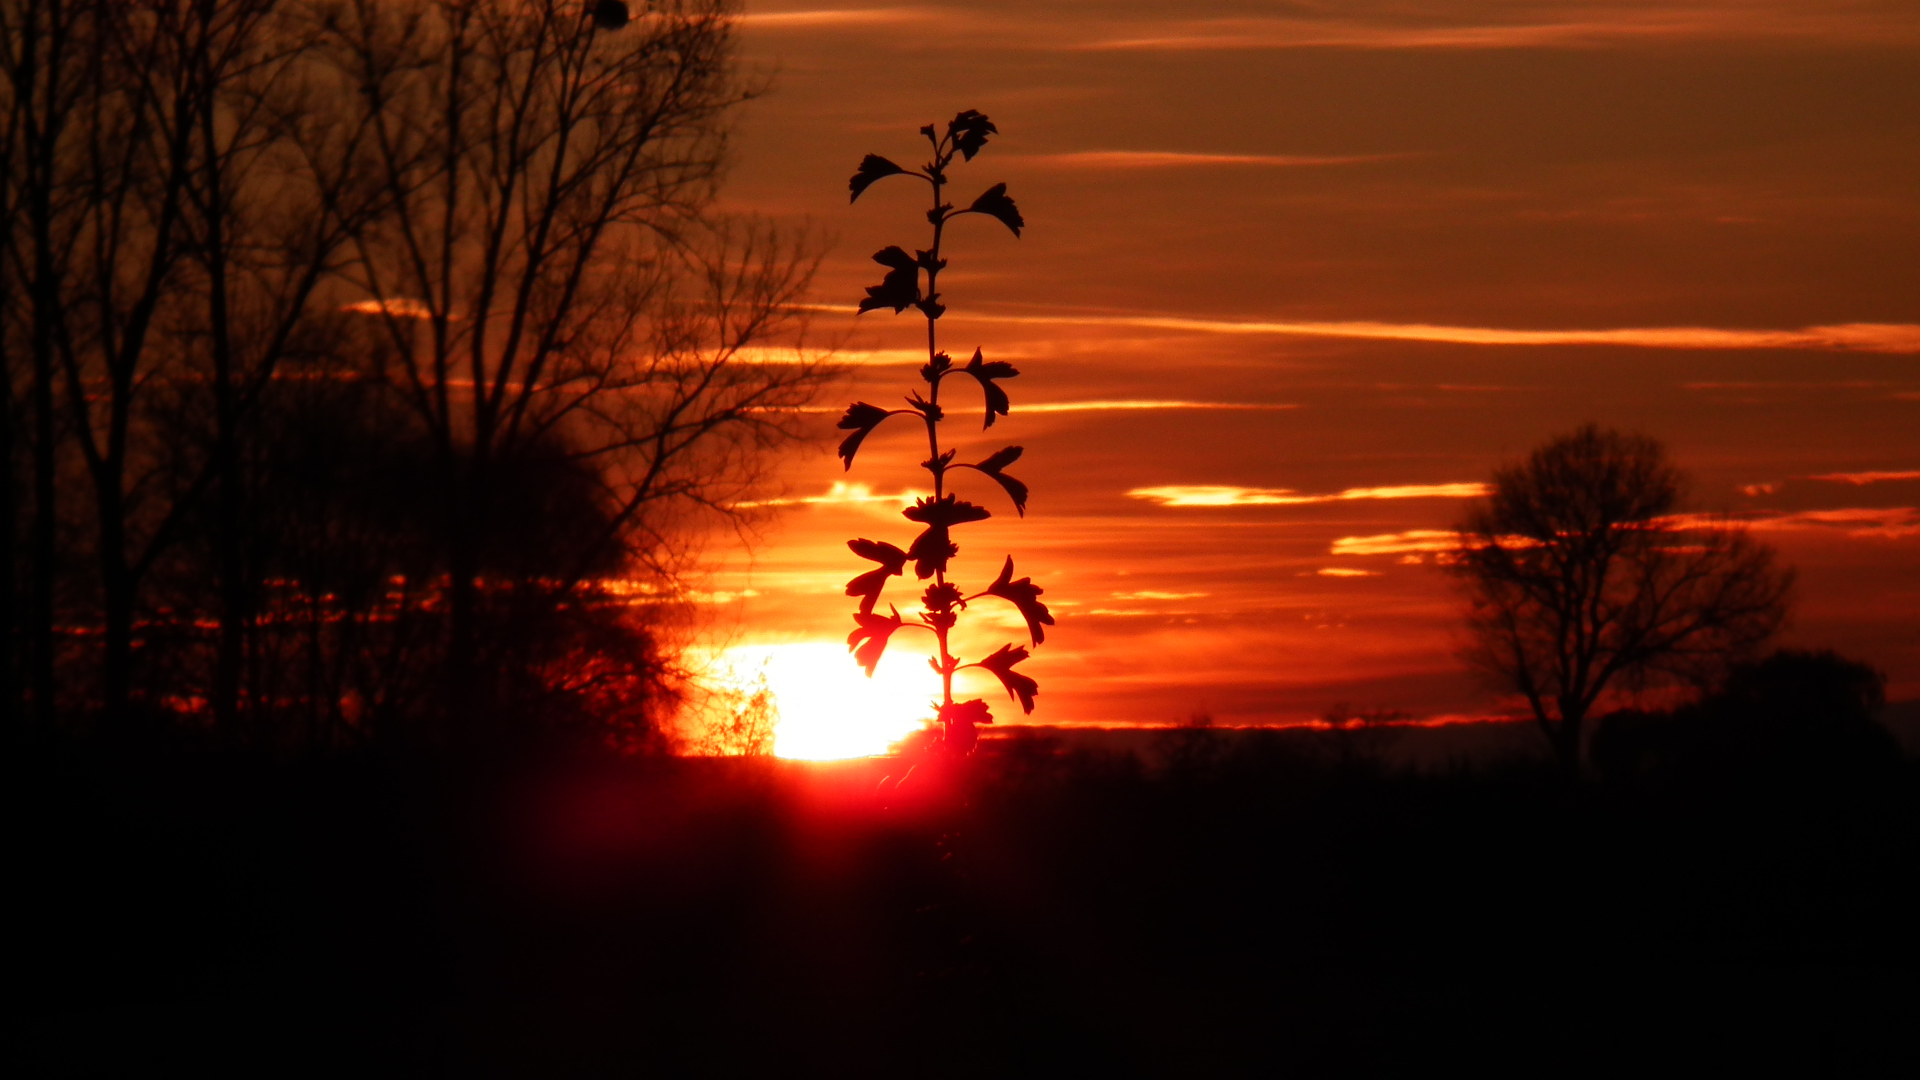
108,177
1581,577
275,191
547,172
485,228
43,43
167,274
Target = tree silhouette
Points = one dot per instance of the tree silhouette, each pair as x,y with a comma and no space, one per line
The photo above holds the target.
933,549
1581,577
251,246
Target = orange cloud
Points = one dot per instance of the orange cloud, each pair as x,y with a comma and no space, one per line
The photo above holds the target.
1125,405
1859,479
835,17
1119,405
1157,159
1342,571
1226,495
1866,522
1888,523
843,494
1596,26
1400,543
400,308
1860,337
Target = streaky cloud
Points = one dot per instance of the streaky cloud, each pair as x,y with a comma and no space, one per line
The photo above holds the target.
1400,543
1131,405
840,357
1865,523
1861,479
1160,159
1226,495
1860,522
1597,27
836,17
842,494
397,307
1857,337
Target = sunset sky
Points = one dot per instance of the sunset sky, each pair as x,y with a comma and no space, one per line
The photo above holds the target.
1296,276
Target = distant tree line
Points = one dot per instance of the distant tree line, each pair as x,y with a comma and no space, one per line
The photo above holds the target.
369,362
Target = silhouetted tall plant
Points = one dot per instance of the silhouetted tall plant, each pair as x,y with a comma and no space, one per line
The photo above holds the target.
932,550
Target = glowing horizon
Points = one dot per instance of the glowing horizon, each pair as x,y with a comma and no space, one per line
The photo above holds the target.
1295,284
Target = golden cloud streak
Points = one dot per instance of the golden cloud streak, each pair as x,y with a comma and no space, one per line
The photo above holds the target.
1866,523
1226,495
1099,406
1861,337
1400,543
1123,406
399,308
831,17
843,494
1860,479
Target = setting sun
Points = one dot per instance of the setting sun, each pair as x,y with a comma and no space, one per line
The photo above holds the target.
827,707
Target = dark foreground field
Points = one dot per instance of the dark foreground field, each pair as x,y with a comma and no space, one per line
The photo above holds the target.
1280,903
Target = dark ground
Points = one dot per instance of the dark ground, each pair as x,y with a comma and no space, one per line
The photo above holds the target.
1269,903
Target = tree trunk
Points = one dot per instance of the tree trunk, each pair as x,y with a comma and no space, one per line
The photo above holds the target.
118,596
9,535
42,144
464,719
1566,737
40,614
235,589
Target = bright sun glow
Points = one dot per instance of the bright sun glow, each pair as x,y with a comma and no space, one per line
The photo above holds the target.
828,707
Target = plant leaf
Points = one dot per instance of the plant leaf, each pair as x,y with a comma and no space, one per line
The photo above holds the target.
933,547
986,372
1018,685
872,167
998,460
932,369
997,204
1016,491
1025,595
926,408
879,551
969,131
966,712
868,585
861,418
959,723
931,550
869,640
944,511
900,288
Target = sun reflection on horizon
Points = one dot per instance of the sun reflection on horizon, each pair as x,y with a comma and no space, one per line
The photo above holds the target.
827,707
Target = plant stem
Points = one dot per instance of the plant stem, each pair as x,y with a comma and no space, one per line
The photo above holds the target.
934,466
